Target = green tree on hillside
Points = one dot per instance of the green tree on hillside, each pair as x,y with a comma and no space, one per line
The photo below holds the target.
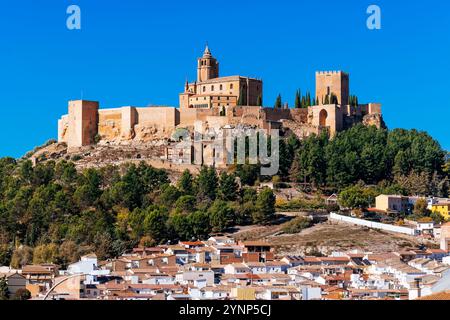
265,207
207,183
186,183
357,197
228,187
221,216
420,207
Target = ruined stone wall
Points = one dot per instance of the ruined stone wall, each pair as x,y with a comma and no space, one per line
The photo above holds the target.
110,124
155,123
271,114
188,116
157,116
251,116
63,126
301,130
129,120
299,115
374,108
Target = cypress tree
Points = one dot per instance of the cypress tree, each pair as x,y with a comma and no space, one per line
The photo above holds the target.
242,97
297,99
278,102
334,99
259,101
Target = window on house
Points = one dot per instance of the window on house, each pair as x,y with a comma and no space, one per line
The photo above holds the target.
204,88
221,87
231,86
212,88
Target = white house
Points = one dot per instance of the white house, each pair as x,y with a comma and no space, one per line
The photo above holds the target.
236,268
446,260
256,267
86,265
311,293
196,278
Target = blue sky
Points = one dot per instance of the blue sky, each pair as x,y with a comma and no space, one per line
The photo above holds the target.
139,52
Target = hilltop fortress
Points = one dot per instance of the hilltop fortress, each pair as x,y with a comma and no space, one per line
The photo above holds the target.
219,103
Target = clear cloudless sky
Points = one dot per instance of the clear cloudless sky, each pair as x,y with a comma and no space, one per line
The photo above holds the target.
140,52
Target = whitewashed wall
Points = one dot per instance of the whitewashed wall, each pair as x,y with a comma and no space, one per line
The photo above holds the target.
374,225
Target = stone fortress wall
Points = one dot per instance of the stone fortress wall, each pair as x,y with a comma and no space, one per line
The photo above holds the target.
86,122
217,102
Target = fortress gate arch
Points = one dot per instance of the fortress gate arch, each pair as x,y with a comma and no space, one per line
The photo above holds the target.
323,115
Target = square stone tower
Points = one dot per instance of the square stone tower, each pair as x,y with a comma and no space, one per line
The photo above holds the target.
82,123
332,82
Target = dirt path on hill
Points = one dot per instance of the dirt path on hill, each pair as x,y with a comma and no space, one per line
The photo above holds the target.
327,237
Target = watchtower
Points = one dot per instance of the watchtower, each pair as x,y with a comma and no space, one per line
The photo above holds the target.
330,83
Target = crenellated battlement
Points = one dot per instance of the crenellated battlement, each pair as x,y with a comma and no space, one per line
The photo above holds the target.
334,72
330,83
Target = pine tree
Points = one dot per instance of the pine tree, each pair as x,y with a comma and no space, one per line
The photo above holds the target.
265,207
327,100
207,183
185,184
227,187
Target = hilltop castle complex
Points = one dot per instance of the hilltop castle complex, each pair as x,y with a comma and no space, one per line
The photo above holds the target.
218,102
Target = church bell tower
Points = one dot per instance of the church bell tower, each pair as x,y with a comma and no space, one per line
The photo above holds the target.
208,67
